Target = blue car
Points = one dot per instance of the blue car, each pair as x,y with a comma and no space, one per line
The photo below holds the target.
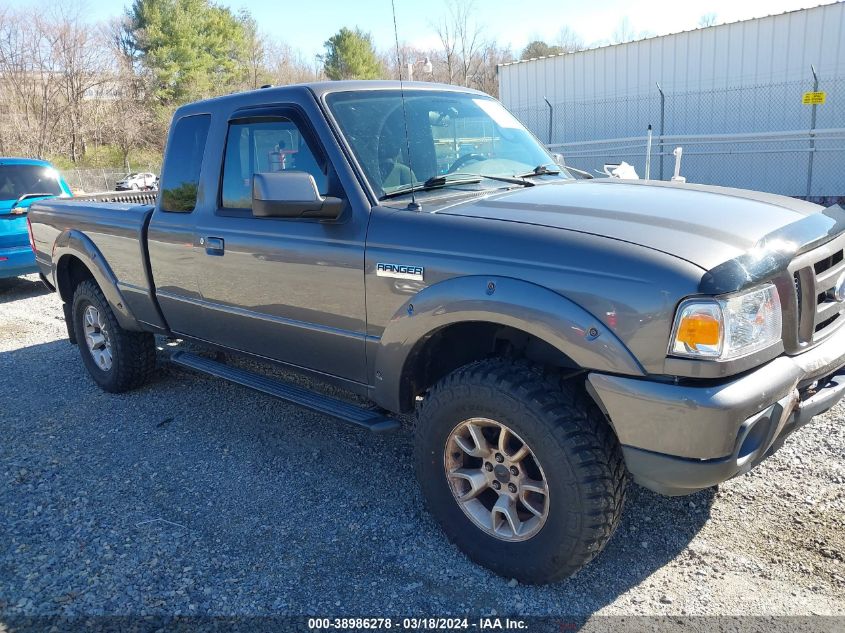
22,182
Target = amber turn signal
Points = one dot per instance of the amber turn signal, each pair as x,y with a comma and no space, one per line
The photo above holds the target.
699,329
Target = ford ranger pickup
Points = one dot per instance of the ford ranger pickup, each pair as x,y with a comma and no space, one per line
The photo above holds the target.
419,247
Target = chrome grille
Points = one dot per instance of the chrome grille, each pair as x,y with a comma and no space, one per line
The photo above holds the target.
828,308
815,276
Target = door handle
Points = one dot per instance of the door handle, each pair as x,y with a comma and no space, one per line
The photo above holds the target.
213,245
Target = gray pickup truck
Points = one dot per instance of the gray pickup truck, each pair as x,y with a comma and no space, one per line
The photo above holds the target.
419,247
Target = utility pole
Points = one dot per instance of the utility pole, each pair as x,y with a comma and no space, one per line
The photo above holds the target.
812,134
318,61
662,131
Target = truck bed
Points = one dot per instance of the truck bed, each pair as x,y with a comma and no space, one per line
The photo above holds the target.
113,232
127,197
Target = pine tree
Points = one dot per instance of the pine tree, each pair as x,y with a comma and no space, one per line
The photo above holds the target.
350,55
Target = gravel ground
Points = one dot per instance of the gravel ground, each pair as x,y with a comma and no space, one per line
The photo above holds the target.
194,496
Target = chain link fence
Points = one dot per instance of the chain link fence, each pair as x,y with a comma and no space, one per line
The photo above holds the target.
82,181
756,137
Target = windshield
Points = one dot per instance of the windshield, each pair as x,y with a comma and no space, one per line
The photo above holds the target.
19,180
448,133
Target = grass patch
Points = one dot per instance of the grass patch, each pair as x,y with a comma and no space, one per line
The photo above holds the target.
109,157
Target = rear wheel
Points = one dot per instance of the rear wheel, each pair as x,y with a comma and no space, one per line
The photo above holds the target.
523,473
117,359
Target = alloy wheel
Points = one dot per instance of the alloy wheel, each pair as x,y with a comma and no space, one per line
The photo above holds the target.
97,337
496,479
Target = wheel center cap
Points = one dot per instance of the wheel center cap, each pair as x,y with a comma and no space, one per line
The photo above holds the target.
502,473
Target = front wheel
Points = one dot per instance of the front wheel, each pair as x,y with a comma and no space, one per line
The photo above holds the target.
117,359
522,473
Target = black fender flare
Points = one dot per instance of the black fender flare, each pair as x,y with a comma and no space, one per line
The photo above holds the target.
73,243
525,306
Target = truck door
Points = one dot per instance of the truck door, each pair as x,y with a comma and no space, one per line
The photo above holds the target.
287,289
170,238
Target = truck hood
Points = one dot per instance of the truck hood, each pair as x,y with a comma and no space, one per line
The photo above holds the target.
702,224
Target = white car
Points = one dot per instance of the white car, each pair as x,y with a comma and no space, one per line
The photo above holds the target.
136,182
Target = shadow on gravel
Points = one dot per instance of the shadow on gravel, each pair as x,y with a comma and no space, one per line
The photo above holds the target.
654,531
21,288
195,496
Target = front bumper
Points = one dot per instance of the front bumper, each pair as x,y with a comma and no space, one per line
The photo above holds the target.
680,438
17,261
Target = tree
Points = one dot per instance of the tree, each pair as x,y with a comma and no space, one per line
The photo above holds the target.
254,50
464,56
624,32
487,77
129,125
708,19
82,63
193,49
448,40
568,40
128,119
468,34
31,74
284,65
460,37
539,48
54,67
350,55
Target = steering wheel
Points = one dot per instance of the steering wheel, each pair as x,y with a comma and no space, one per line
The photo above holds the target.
463,160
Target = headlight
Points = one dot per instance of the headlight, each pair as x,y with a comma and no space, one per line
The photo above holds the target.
727,327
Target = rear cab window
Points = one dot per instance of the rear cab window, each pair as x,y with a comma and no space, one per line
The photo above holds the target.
180,178
17,180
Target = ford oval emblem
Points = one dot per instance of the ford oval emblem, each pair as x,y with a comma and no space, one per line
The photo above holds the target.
839,289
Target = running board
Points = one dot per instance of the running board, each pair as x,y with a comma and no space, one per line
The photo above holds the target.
369,419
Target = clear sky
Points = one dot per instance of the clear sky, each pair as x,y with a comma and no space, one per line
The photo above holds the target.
306,24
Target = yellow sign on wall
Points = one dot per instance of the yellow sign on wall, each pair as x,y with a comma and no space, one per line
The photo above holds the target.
813,98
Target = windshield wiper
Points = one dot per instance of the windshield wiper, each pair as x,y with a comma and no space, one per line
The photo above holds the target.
541,170
587,175
457,178
514,180
435,182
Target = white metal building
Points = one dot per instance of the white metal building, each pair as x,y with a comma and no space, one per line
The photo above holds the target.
731,95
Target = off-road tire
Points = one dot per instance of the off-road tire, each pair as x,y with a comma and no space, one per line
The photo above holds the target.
133,353
570,438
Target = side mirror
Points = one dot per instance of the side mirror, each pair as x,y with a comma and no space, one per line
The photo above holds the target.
291,194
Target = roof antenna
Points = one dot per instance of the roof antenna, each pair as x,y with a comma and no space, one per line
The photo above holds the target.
414,206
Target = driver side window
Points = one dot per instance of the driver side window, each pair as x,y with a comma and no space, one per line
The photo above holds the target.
265,146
